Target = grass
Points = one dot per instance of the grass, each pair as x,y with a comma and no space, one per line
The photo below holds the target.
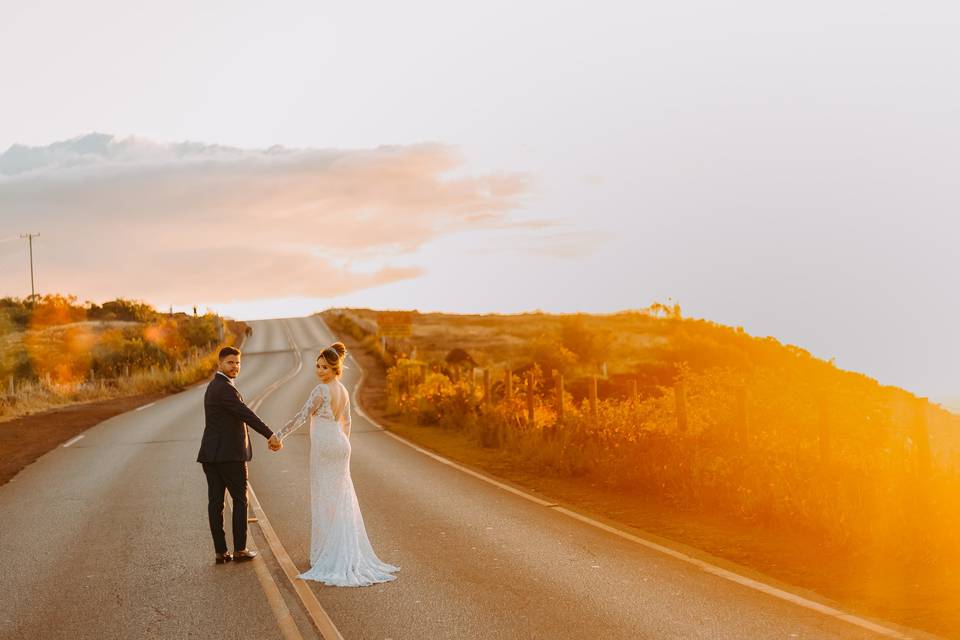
693,413
52,355
866,580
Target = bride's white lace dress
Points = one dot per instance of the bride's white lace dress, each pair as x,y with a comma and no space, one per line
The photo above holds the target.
340,552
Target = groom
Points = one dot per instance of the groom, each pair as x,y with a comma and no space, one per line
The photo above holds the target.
224,452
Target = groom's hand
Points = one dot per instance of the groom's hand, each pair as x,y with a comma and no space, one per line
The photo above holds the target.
274,443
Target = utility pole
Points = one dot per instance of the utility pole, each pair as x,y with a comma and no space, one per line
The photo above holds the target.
30,237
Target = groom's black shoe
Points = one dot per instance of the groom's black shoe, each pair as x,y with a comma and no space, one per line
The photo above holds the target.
223,557
244,554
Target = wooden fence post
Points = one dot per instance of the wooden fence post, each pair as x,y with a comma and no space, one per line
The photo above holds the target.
921,438
680,393
508,388
486,386
10,386
635,399
530,399
559,380
594,413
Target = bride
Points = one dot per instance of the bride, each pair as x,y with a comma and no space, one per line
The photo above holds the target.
340,552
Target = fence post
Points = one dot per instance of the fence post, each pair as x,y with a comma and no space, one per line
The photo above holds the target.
680,393
486,386
508,388
530,399
921,438
10,387
594,413
635,398
559,380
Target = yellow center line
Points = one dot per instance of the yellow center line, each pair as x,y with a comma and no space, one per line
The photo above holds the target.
321,620
270,589
319,616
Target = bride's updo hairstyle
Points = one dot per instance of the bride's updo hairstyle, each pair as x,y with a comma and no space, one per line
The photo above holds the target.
333,356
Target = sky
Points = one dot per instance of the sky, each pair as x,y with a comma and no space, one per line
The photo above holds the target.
787,168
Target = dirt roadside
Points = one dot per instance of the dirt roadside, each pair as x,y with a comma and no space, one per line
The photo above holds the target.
879,588
25,438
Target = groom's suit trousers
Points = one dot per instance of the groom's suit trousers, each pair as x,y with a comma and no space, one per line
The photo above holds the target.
230,476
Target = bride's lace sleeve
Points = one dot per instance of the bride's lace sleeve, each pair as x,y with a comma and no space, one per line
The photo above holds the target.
313,404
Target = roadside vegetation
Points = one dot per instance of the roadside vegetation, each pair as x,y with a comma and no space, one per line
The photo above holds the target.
688,412
55,351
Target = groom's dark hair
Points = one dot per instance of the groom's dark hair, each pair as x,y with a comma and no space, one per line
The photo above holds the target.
229,351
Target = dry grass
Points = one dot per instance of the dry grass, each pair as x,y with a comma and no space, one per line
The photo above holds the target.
64,361
772,435
23,398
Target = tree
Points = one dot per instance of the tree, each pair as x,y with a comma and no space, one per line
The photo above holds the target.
589,345
121,309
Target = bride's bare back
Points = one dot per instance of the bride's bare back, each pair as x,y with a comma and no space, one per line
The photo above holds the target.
340,403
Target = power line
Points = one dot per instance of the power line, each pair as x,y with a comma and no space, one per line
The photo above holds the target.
30,237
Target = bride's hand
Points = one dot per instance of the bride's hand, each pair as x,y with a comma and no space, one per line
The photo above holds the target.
274,443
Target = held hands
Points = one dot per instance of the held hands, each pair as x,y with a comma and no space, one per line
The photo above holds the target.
274,443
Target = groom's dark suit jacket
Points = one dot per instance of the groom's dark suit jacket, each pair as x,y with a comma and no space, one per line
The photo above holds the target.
225,437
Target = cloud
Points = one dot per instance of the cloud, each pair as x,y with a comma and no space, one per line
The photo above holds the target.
190,221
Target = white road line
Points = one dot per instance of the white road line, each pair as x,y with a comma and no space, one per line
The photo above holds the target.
145,406
71,441
702,564
321,620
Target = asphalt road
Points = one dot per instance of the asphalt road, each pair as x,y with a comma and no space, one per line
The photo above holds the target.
108,538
